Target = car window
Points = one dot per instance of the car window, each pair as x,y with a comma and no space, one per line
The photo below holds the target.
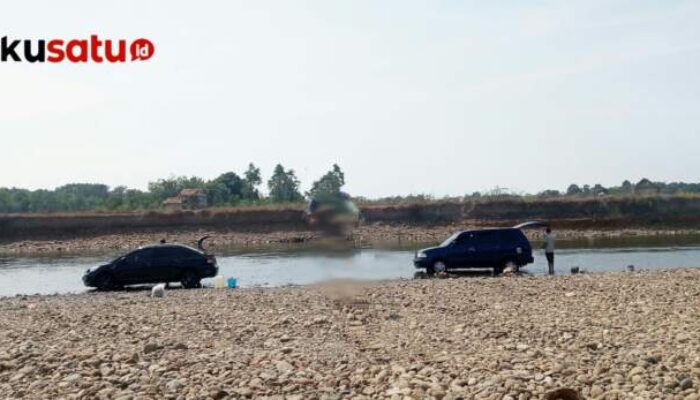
140,257
449,240
133,258
465,238
161,252
488,236
126,257
175,254
187,253
512,236
180,252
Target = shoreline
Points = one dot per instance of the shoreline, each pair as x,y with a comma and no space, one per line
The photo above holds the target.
464,275
632,334
364,236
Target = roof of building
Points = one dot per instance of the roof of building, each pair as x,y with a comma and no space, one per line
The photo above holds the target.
192,192
172,200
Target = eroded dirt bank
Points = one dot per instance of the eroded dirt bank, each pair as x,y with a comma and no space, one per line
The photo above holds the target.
428,222
614,335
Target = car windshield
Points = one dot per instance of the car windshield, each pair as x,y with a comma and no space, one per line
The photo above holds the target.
122,257
449,240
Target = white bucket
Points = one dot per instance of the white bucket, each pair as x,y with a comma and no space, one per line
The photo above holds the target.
219,282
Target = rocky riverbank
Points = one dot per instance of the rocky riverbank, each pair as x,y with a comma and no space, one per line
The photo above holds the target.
615,335
366,235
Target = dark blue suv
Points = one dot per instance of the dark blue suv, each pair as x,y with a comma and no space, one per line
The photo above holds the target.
494,248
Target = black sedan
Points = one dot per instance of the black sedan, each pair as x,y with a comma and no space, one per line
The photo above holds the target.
161,263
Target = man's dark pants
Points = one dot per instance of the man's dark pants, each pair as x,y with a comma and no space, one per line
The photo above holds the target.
550,261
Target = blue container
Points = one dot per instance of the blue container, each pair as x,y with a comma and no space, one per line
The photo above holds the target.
232,283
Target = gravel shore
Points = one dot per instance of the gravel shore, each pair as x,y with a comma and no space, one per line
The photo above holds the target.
614,335
366,235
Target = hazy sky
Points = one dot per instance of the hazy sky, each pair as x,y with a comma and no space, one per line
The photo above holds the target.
438,97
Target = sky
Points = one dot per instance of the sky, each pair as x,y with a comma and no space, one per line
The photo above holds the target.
408,97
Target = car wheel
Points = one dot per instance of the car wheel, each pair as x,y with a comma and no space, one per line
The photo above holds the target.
439,266
105,282
512,266
190,280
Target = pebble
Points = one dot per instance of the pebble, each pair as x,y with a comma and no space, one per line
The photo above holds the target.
685,383
634,335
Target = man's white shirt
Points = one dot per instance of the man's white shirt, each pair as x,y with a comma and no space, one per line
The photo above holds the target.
549,242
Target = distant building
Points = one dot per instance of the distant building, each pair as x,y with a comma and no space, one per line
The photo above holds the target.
645,187
172,203
187,199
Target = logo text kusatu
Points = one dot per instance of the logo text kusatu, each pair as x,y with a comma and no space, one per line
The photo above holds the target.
76,50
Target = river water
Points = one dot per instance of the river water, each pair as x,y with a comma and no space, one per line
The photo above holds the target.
300,265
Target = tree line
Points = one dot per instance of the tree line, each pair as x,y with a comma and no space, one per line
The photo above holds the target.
283,186
227,189
643,187
627,188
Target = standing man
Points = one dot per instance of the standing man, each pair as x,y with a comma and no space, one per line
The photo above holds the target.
548,247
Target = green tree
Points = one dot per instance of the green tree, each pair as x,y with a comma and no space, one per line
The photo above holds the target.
5,199
284,185
627,187
599,189
329,184
232,181
549,193
251,182
21,201
573,190
226,189
116,198
82,196
136,199
218,194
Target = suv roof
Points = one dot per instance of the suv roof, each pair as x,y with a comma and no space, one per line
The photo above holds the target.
489,229
169,245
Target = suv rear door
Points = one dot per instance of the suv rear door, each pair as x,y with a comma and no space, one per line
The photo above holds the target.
515,245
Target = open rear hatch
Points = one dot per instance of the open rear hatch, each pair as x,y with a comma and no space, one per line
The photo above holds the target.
200,243
531,225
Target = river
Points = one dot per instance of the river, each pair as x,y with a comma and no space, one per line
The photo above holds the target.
299,265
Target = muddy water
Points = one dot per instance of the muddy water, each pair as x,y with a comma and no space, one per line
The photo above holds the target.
305,265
